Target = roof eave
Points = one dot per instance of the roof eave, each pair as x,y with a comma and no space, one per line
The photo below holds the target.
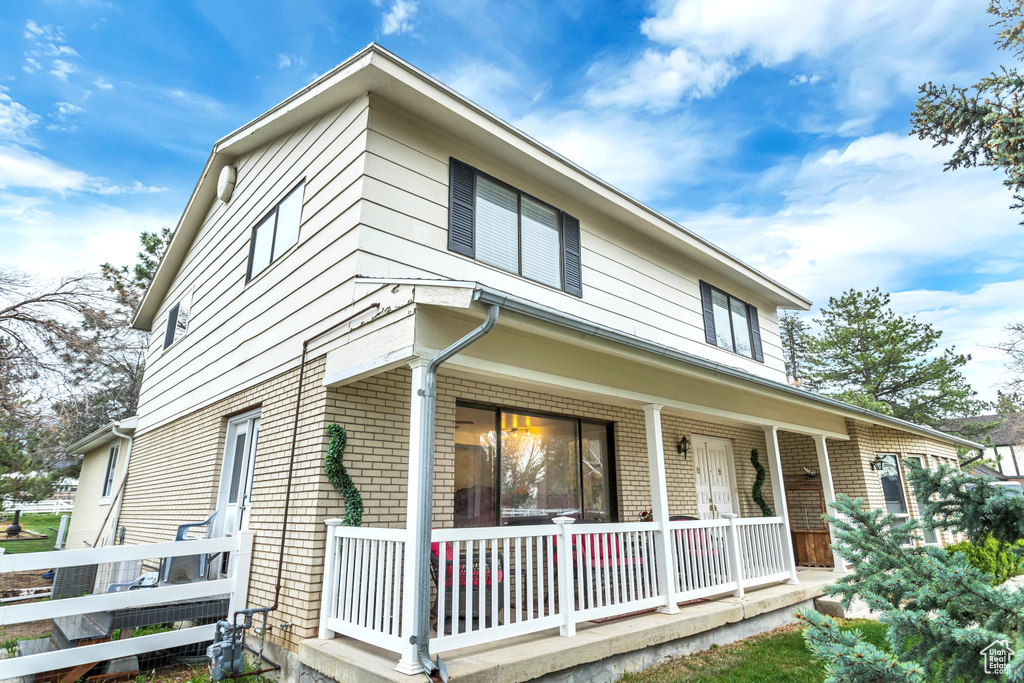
372,68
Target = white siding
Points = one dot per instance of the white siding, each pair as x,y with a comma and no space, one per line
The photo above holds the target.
629,283
239,333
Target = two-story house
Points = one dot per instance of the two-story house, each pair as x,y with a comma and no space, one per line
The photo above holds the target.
610,367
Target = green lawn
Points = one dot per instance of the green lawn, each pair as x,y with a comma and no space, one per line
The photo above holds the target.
778,656
41,524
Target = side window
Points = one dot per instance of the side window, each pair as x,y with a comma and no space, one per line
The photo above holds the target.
276,232
731,324
111,473
499,225
892,486
177,319
928,534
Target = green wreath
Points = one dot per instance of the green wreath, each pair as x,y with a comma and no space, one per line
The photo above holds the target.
758,483
339,477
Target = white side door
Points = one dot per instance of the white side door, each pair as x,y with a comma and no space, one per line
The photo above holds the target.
236,474
714,477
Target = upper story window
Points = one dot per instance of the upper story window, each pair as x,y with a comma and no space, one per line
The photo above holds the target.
730,323
108,478
500,225
277,232
177,319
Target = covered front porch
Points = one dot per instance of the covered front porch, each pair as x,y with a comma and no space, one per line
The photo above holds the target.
600,651
511,557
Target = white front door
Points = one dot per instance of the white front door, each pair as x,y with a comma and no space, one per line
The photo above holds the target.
712,461
236,474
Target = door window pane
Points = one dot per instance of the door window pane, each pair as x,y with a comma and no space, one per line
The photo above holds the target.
740,327
541,253
723,324
475,451
289,214
237,461
497,225
892,486
595,475
264,242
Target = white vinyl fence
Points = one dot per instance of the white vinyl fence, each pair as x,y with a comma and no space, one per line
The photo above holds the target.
124,587
494,583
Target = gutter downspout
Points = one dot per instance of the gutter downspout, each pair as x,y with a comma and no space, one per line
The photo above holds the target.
120,498
421,539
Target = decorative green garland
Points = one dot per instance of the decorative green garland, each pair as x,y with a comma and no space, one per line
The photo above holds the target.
339,477
758,483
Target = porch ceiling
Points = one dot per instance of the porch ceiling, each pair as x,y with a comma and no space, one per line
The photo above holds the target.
536,355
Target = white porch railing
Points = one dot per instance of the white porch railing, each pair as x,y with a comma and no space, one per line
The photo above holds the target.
494,583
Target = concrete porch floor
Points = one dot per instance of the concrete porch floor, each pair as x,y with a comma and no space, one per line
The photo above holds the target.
598,652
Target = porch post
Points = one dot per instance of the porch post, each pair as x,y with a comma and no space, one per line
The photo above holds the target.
409,663
827,487
771,437
659,506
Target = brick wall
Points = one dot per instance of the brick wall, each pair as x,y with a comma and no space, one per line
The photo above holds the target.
175,472
175,469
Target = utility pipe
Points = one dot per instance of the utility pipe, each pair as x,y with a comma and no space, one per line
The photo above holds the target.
421,538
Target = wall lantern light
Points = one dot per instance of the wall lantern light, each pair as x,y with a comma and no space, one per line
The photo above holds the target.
683,447
878,463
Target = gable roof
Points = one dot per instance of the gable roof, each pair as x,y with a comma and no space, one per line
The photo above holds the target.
1009,431
375,70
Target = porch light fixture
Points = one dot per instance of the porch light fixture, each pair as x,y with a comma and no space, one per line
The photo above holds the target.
683,447
878,463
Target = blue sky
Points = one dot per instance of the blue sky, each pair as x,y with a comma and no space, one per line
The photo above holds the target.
778,130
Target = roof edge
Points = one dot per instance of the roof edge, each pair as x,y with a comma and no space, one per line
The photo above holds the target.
104,434
487,295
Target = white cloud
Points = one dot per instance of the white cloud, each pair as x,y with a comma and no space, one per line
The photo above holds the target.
286,60
638,156
20,168
805,79
880,212
102,84
24,169
62,69
65,109
47,33
399,19
698,46
15,119
66,238
31,65
492,87
658,80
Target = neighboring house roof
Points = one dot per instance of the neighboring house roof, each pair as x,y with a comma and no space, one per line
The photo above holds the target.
375,70
105,434
1009,431
985,471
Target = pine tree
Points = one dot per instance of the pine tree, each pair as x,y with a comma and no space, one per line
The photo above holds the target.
796,348
868,355
984,121
941,611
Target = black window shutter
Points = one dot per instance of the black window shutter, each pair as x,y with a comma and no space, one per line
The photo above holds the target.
709,313
461,236
572,262
172,324
755,333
